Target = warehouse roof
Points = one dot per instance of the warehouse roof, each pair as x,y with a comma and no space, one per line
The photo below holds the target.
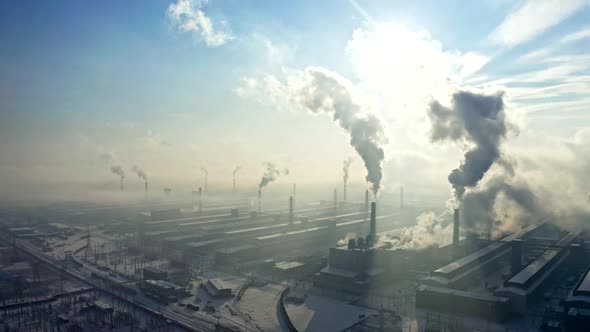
253,229
237,249
474,295
526,276
288,265
583,287
455,267
201,244
277,235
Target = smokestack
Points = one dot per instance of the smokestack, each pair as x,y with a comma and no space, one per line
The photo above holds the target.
122,184
366,200
373,233
146,186
344,192
516,256
237,169
456,228
200,200
335,197
259,197
291,210
401,197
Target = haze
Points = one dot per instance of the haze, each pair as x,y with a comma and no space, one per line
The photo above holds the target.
459,120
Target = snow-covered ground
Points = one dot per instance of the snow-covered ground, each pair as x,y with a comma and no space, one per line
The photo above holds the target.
259,303
320,313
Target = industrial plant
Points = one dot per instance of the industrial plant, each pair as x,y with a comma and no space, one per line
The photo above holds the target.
295,166
198,264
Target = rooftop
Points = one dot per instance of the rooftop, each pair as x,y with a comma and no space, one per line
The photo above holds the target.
583,287
200,244
526,275
218,284
288,265
237,249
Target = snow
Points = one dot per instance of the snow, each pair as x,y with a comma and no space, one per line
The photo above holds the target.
319,313
260,304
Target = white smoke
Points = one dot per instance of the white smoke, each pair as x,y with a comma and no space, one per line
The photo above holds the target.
323,91
430,231
140,172
118,170
344,240
345,168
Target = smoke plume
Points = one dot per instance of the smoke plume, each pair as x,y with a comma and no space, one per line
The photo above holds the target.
344,241
271,174
236,170
430,231
479,121
322,91
502,204
118,170
140,172
347,162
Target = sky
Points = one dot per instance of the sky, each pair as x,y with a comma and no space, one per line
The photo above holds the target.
179,85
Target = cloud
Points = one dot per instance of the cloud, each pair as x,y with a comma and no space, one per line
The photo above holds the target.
472,62
579,35
531,19
188,16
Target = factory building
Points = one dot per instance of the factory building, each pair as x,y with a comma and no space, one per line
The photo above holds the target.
290,269
154,273
509,277
162,290
61,228
217,288
527,283
578,305
362,263
236,255
21,231
475,304
466,270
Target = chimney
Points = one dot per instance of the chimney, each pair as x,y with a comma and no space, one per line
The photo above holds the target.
456,252
401,197
456,228
373,222
200,200
344,192
291,210
146,186
366,200
234,186
351,243
259,196
335,197
122,185
516,256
